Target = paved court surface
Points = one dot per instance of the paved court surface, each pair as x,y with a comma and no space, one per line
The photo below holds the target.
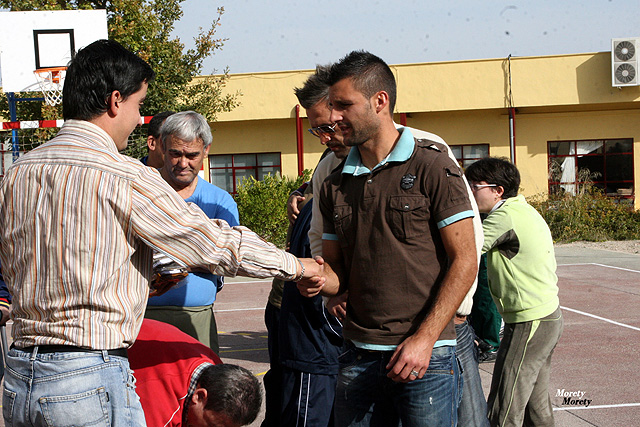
597,354
600,296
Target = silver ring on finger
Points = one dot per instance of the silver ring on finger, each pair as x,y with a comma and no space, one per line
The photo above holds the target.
415,373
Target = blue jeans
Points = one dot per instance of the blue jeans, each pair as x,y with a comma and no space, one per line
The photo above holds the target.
473,408
366,397
69,389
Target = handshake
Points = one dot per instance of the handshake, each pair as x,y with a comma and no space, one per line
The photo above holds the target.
311,276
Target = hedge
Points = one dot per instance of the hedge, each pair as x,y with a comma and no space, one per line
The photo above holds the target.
262,205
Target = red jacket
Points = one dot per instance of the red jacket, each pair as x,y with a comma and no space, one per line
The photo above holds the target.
163,359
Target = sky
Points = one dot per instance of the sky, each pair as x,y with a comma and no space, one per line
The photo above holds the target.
277,35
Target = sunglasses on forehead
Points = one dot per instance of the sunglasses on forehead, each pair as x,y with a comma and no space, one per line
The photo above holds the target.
323,129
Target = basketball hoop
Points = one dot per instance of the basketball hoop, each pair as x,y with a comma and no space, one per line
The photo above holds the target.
51,81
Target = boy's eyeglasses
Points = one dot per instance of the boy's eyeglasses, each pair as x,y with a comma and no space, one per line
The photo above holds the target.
476,187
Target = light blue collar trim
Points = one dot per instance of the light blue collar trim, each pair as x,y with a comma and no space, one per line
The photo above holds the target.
455,218
382,347
400,153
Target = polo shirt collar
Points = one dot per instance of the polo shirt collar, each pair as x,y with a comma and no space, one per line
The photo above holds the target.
400,153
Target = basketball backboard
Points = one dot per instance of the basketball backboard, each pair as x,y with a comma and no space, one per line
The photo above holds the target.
43,39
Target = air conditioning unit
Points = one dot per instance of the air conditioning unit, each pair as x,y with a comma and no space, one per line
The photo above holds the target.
624,62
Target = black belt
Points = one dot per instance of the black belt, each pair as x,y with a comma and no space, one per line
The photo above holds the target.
122,352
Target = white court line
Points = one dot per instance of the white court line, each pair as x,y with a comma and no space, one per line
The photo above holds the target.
600,318
593,315
617,268
239,309
573,265
573,408
599,265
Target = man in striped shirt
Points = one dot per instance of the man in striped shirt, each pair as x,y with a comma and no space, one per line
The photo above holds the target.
78,225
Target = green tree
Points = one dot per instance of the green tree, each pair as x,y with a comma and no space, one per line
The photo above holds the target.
262,205
144,27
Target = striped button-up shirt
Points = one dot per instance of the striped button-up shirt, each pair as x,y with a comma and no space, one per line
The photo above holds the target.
78,223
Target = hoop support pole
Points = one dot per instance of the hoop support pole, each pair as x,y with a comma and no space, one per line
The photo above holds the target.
13,114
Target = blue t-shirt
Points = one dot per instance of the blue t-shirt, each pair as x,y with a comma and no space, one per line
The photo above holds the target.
5,297
199,289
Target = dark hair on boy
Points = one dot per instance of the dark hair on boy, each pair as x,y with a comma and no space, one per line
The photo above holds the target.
95,72
233,391
315,89
369,73
495,170
156,123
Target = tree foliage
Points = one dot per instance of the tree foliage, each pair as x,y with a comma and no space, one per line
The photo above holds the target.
263,205
144,27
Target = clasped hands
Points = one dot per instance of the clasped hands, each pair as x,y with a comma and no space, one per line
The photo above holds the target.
314,278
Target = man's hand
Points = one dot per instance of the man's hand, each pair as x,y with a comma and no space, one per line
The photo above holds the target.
414,353
5,315
163,283
338,306
411,356
314,277
293,206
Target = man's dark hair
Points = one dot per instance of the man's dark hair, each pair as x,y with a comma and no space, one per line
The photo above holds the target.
95,72
315,89
369,73
495,170
233,391
156,123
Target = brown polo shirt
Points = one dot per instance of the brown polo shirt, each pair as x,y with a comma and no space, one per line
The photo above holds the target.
387,222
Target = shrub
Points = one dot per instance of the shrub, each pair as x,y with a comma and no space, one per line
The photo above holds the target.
262,205
589,215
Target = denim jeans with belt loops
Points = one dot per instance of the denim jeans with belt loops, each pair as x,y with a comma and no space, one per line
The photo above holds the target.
365,396
473,407
69,389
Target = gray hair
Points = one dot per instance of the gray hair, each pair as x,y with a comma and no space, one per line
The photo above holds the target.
315,89
186,125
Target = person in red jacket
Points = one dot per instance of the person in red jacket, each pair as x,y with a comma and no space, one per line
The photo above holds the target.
182,382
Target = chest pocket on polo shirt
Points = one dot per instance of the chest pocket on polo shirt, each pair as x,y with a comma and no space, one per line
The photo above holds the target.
408,216
343,223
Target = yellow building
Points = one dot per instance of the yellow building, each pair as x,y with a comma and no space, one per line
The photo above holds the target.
566,114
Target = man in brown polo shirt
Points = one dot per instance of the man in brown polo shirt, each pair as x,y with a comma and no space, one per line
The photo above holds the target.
398,236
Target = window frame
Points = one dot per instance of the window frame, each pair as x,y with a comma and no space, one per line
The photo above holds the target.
233,168
601,182
462,148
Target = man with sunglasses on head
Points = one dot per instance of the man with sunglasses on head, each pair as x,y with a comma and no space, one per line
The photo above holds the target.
305,338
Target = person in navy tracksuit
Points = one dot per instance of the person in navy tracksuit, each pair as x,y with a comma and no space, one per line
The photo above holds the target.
310,340
5,300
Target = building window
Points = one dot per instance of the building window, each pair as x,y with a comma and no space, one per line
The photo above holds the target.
467,154
228,170
605,163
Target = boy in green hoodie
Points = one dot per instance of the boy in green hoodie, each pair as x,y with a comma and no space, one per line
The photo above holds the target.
522,279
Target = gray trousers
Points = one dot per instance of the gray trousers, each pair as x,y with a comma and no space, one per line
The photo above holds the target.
519,392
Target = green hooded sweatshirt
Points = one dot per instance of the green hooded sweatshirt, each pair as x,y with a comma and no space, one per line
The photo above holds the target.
521,262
